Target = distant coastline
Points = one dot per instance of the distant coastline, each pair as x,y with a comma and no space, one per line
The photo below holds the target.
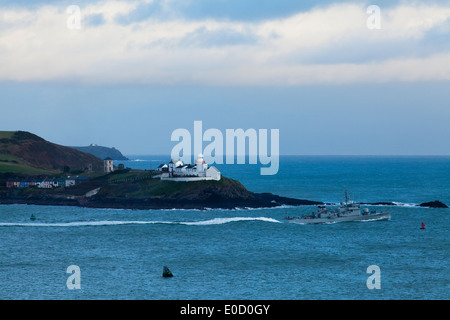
102,152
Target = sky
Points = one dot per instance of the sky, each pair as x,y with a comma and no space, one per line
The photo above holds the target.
332,76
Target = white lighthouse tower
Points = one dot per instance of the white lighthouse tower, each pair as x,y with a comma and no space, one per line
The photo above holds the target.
201,165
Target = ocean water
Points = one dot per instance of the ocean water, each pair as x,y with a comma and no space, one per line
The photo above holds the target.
245,253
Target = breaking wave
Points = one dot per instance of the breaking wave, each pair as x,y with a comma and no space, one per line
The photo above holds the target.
227,220
214,221
145,160
387,204
409,205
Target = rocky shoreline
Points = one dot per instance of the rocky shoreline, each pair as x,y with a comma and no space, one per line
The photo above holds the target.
431,204
137,189
259,200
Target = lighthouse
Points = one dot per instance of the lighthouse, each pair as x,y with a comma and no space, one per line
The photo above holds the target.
178,171
201,164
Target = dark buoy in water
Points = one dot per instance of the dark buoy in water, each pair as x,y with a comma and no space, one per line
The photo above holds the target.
422,226
167,273
32,217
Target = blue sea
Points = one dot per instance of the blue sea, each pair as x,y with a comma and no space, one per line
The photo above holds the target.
245,253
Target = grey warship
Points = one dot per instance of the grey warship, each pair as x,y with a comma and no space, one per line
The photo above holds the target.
347,211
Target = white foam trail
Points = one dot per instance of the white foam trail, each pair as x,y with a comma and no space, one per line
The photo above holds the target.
375,219
74,224
214,221
226,220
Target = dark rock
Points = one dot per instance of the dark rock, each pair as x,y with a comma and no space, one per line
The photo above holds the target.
433,204
379,203
167,273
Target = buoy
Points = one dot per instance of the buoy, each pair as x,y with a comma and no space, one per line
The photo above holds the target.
167,273
422,226
32,217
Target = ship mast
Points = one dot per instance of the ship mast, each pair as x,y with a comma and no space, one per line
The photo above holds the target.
347,197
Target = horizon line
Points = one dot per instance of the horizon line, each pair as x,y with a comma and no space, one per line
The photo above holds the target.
319,155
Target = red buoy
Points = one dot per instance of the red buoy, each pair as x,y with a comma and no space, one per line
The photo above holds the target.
422,226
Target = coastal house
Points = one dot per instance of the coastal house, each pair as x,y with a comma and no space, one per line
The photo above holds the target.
108,165
59,182
17,183
163,167
24,184
45,183
179,171
11,183
70,182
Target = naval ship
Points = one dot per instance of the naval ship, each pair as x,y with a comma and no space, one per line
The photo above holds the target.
347,211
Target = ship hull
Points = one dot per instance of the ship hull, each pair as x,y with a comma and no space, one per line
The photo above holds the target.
363,218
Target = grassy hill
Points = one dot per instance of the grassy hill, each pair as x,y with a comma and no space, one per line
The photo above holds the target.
139,189
136,184
24,153
140,184
12,164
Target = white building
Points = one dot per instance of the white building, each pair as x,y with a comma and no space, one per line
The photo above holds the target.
70,182
178,171
108,165
46,184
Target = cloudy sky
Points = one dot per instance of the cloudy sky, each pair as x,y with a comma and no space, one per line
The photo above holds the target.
137,70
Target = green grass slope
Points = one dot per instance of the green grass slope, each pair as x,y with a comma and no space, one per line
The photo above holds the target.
24,153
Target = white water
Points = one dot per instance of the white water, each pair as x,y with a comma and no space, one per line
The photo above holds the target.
214,221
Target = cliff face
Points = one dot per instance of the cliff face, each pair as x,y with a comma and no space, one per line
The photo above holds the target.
29,150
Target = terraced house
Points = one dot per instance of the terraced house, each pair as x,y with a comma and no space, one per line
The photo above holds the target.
45,183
